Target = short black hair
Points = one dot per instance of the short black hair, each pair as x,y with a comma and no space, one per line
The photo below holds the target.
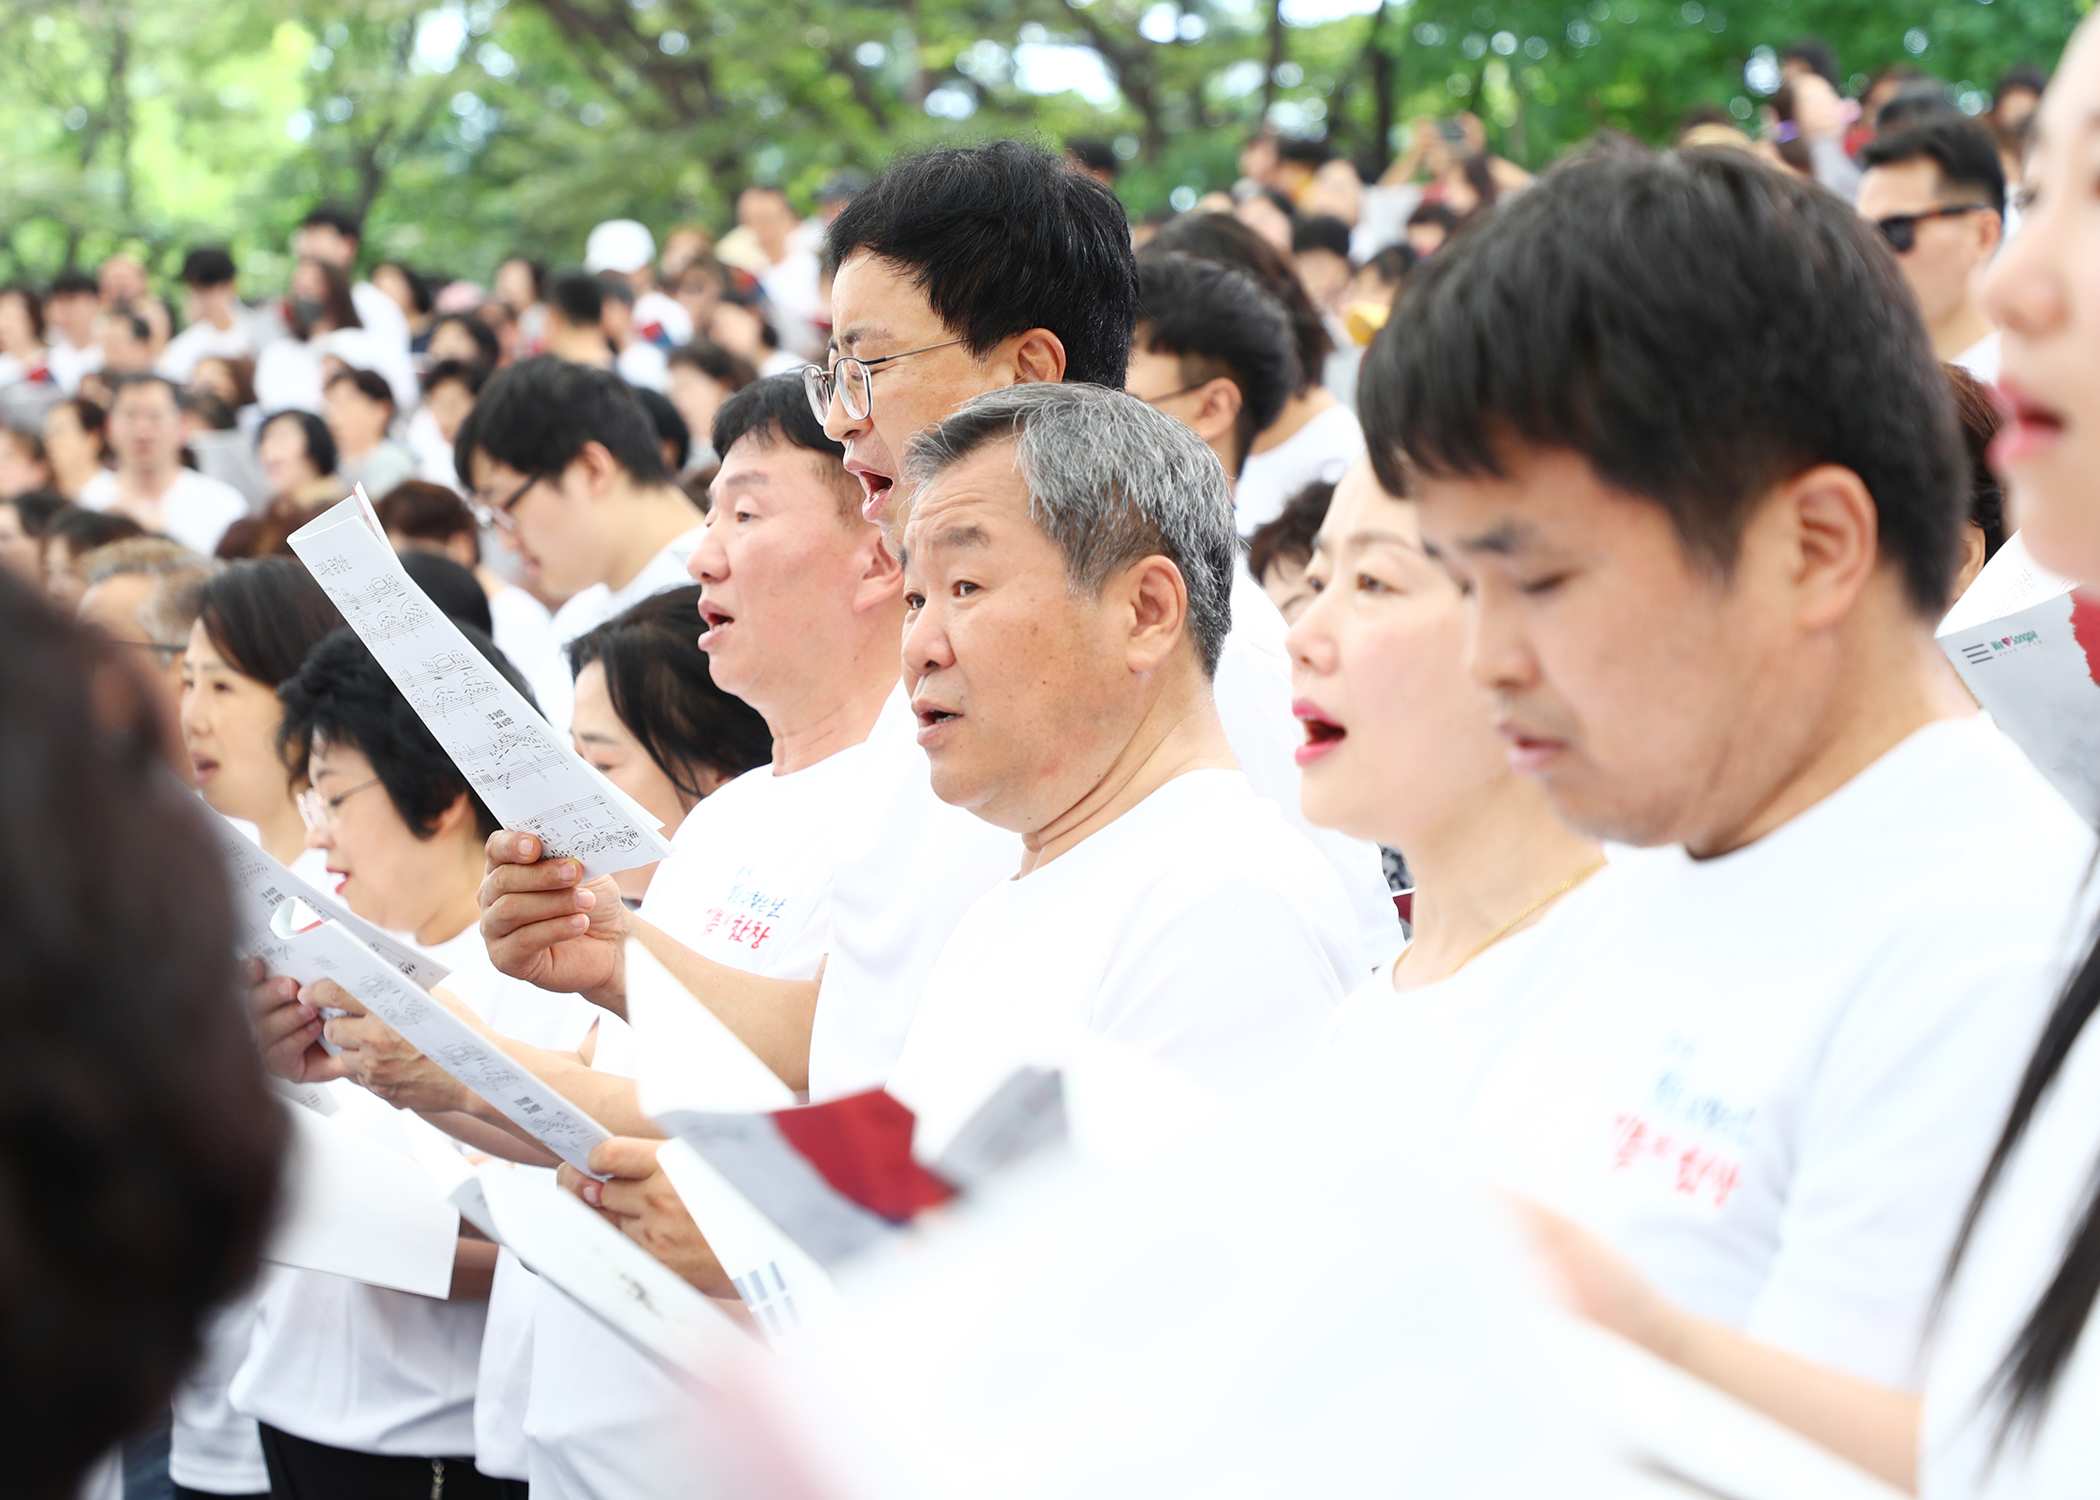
265,615
465,372
82,531
1699,328
1305,150
138,378
207,265
536,416
1094,155
419,288
1817,53
1320,232
343,696
615,287
1963,150
320,442
140,1149
452,588
426,512
580,299
484,337
1394,264
1915,99
343,221
2022,76
775,409
1290,536
731,371
37,509
671,428
1003,238
662,690
1224,239
75,282
371,385
1435,213
1219,321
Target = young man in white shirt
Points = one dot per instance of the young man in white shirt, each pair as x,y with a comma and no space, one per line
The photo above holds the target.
215,330
149,483
70,311
1936,190
801,613
625,248
1068,565
568,468
1706,539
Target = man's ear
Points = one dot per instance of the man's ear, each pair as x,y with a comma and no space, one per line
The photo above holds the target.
461,811
598,469
1828,541
1990,230
881,578
1038,355
1157,598
1217,411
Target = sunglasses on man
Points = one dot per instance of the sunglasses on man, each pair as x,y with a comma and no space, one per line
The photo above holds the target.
1901,230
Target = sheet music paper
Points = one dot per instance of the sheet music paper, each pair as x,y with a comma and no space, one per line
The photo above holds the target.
261,885
353,1208
783,1285
529,776
330,951
609,1275
691,1063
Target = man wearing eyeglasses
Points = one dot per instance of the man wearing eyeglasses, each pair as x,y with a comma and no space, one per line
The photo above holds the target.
564,464
1937,192
142,594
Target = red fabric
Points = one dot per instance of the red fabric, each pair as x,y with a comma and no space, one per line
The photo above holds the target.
861,1145
2085,625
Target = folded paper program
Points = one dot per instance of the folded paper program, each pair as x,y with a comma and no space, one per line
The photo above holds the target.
529,776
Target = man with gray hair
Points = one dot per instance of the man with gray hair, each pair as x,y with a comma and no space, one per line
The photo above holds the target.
142,594
1068,562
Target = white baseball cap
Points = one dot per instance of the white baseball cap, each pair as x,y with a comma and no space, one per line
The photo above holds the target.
622,245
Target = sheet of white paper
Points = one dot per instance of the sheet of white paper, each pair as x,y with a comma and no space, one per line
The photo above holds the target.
331,952
608,1274
530,777
353,1208
311,1095
690,1062
785,1288
261,885
2011,581
442,1157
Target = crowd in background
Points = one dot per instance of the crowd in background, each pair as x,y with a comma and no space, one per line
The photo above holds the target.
686,499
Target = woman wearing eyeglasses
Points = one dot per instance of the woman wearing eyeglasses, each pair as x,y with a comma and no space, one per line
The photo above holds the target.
255,623
360,1390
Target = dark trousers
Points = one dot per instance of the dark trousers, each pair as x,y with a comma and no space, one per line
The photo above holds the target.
187,1494
301,1470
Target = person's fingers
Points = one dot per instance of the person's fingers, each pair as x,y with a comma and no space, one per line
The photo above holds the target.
507,913
625,1156
546,875
282,1024
326,994
507,848
253,971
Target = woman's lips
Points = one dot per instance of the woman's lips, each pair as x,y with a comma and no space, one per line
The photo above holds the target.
2030,427
1322,733
203,770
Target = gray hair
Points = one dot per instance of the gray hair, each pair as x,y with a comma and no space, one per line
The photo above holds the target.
1110,480
167,613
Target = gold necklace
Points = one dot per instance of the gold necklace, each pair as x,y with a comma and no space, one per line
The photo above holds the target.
1511,925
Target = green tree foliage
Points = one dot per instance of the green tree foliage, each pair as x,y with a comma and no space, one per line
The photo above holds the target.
469,128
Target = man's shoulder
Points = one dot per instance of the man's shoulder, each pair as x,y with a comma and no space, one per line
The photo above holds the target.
199,488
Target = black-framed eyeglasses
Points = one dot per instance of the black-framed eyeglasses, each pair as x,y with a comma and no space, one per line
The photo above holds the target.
1901,230
853,381
498,515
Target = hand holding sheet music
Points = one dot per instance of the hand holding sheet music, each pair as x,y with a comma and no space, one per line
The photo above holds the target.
531,779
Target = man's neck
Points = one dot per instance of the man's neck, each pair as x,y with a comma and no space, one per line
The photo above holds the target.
1181,733
1895,680
148,481
580,346
839,711
1481,869
1960,331
654,517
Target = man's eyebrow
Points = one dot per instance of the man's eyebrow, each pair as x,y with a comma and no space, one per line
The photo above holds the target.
1373,537
1501,539
597,739
859,333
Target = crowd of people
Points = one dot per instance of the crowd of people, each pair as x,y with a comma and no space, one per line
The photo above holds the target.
1436,674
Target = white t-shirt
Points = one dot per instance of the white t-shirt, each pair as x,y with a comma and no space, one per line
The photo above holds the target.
2014,1254
1770,1078
1982,358
195,510
662,320
68,365
523,630
643,364
1321,450
748,886
588,608
200,341
1197,928
212,1447
360,1367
